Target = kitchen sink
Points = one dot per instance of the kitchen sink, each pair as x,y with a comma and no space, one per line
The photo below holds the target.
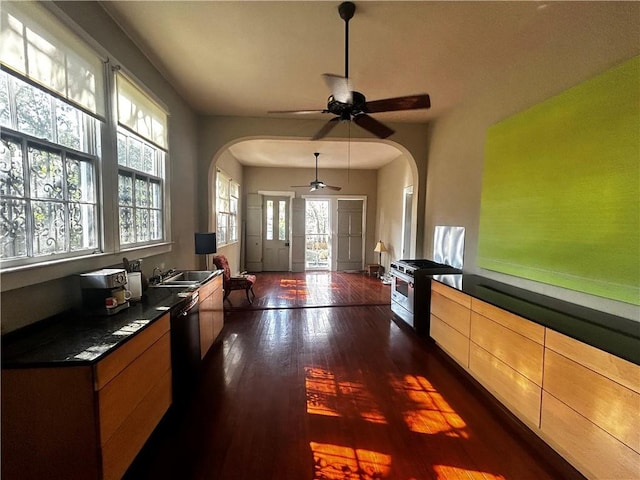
199,276
186,278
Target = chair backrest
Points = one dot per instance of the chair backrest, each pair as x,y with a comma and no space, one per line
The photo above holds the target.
220,261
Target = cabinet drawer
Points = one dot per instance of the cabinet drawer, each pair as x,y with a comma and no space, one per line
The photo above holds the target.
519,394
128,439
527,328
611,406
586,446
121,396
452,294
518,352
117,361
606,364
451,341
451,312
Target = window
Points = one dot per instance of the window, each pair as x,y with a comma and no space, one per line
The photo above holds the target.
53,99
51,96
141,159
227,209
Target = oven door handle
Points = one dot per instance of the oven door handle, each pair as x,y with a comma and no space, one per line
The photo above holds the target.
404,278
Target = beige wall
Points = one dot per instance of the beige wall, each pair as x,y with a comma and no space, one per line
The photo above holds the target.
392,180
353,182
38,299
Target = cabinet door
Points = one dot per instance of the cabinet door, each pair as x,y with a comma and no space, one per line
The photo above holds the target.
211,315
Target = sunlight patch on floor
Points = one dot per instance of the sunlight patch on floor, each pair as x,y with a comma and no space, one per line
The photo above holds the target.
332,394
335,462
424,408
447,472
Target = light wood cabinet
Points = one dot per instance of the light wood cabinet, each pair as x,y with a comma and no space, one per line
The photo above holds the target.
450,321
591,408
451,340
582,401
506,356
86,422
211,314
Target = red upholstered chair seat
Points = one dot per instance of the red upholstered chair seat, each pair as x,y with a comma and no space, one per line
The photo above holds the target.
242,282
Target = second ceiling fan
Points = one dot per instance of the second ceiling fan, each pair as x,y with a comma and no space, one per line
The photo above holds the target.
349,105
317,184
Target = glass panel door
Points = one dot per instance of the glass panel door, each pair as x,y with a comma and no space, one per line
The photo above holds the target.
317,235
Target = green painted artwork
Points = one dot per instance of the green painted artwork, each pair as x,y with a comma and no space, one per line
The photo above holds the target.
561,189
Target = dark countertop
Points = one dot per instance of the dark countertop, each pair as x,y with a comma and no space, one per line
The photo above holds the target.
76,338
616,335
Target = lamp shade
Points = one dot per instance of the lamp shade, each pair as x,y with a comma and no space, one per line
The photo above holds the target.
205,243
380,247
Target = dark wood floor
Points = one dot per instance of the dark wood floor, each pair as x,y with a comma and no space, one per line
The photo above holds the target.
331,393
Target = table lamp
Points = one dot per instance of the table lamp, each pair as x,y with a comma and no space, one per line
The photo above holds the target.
379,249
205,244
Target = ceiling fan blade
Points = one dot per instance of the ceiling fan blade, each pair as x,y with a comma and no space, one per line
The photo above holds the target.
410,102
380,130
299,186
326,128
331,187
340,87
298,111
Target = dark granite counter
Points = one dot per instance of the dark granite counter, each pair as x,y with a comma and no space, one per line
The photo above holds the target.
76,338
616,335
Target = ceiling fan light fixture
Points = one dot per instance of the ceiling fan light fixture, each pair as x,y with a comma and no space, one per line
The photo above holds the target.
317,184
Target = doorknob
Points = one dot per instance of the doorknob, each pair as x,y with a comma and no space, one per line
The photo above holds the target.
286,244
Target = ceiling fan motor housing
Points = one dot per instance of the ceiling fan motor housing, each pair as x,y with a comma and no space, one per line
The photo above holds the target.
357,105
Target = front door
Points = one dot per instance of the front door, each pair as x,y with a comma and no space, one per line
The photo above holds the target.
275,243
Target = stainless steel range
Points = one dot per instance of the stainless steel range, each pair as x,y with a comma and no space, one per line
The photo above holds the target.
411,279
411,290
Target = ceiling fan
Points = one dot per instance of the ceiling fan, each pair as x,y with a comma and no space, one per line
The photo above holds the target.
349,105
317,184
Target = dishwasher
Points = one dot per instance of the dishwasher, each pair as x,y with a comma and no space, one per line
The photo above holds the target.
185,347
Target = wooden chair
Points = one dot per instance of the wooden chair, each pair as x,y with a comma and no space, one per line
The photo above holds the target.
229,283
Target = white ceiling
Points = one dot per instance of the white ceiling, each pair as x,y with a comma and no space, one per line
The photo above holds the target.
245,58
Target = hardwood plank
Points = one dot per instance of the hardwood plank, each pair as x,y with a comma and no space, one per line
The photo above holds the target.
311,289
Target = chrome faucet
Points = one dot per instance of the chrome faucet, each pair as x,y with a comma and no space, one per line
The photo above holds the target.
156,278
